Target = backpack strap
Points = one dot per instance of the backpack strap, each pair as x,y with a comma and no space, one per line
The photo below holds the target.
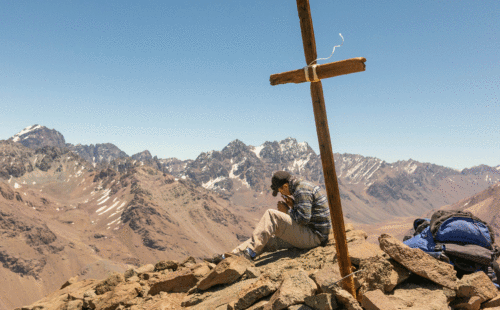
418,226
470,252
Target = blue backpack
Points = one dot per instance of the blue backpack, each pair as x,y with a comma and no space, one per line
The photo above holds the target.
458,238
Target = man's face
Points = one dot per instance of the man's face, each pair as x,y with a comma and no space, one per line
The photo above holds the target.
284,190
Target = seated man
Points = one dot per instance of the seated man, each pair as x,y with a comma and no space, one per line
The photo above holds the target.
302,221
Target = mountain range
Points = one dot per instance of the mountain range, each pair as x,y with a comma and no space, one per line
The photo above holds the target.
371,189
91,209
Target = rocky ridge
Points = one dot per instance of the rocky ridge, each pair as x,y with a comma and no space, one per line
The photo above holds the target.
391,276
371,189
37,136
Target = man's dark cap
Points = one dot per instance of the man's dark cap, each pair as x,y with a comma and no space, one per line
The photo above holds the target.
279,178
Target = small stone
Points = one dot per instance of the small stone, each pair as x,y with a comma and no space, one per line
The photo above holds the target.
109,284
296,286
133,279
227,271
200,270
327,277
89,294
467,303
323,301
129,273
145,269
495,302
356,235
265,285
346,299
189,262
477,284
362,250
300,307
376,300
74,305
252,273
380,273
166,264
69,282
177,281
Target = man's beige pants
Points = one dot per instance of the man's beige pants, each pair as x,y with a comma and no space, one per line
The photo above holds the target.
281,225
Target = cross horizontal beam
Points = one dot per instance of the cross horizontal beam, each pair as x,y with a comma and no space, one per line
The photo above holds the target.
322,71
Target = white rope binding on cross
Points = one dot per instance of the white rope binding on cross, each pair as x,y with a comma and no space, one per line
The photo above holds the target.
315,76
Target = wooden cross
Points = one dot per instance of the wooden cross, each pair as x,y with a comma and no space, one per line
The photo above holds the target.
325,144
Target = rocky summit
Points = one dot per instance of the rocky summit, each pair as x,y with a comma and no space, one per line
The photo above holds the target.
385,279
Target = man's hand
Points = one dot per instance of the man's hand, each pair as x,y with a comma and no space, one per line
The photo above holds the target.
288,201
282,207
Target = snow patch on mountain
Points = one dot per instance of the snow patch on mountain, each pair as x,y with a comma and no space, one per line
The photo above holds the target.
299,164
26,130
411,167
210,184
257,149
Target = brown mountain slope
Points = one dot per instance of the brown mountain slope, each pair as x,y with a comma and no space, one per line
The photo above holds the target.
59,218
485,205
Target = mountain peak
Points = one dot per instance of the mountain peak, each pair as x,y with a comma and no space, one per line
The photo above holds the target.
22,134
37,136
143,156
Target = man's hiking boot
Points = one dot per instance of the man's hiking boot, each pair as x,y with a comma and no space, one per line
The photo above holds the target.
248,254
217,258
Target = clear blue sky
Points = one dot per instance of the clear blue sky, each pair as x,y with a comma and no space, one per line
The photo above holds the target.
182,77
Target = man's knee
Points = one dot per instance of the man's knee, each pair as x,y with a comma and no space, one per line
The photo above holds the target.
273,214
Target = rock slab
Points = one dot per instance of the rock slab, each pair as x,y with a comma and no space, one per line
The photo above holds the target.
177,281
227,271
296,286
419,262
323,301
477,284
266,284
376,300
380,273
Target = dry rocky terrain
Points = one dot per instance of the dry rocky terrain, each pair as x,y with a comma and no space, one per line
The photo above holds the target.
392,276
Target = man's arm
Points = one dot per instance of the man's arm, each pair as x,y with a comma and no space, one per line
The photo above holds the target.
301,211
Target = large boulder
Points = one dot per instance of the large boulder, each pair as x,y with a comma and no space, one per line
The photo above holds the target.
266,284
477,284
419,294
296,286
419,262
177,281
120,294
359,251
323,301
327,277
227,271
380,273
216,297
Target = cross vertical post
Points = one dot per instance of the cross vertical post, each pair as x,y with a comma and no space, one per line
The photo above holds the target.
325,145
